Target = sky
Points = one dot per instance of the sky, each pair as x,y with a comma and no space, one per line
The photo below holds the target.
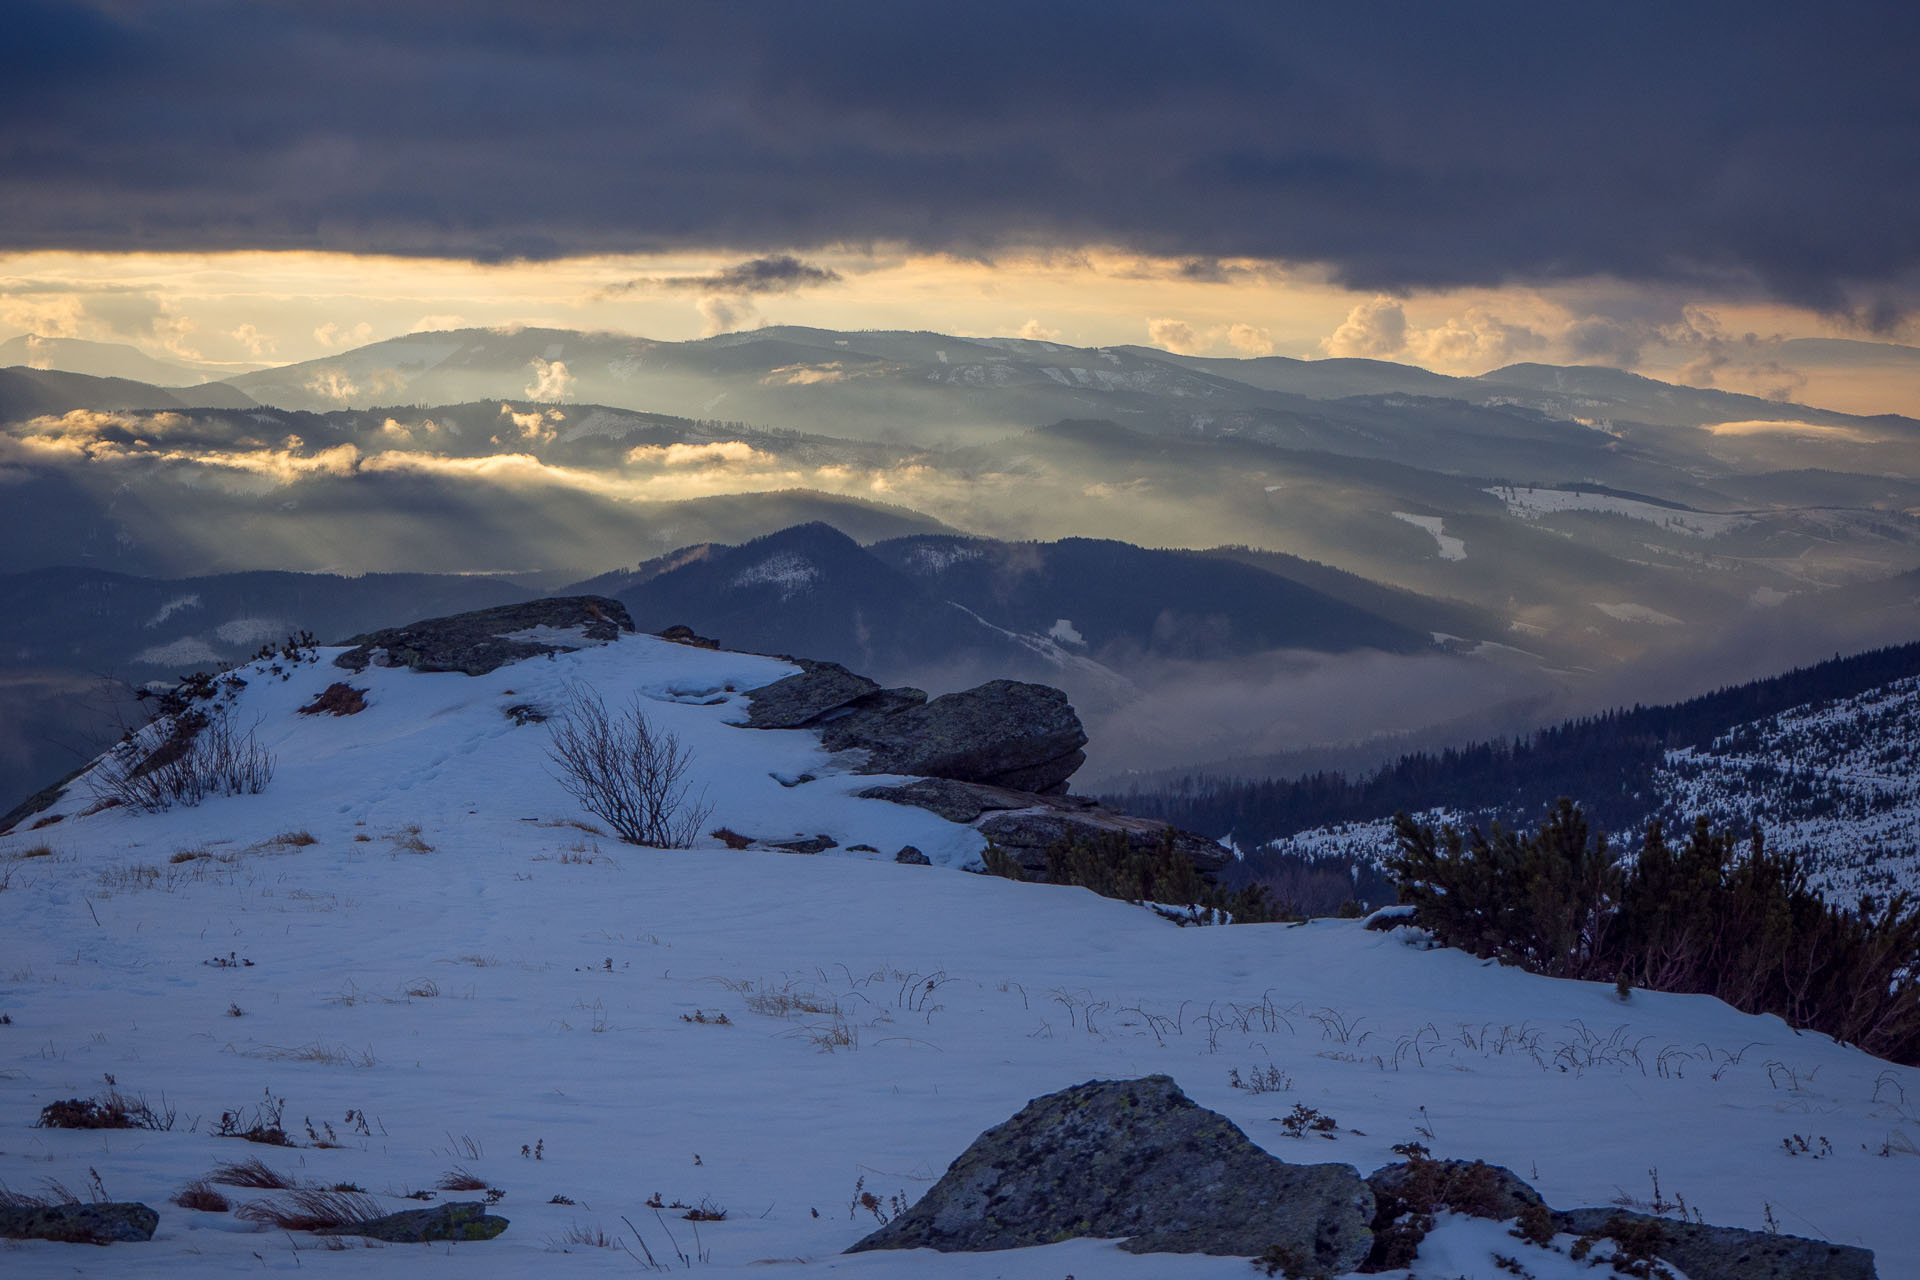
1678,190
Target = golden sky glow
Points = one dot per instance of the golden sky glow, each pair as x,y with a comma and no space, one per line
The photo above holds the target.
242,310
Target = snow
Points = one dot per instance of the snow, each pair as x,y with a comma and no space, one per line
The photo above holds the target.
787,570
189,601
1630,612
935,557
245,631
1450,548
565,970
189,651
1531,504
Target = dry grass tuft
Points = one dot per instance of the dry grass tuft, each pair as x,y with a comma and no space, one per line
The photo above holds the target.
199,1194
251,1172
313,1209
408,840
329,1054
593,1237
461,1178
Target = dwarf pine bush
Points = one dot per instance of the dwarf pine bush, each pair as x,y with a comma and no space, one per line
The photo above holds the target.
1717,915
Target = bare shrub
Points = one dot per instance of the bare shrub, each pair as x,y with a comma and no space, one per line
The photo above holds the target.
199,754
626,772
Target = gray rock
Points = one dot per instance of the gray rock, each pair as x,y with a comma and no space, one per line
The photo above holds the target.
477,642
79,1223
912,857
797,701
458,1220
1135,1158
1005,733
1728,1253
806,844
1027,834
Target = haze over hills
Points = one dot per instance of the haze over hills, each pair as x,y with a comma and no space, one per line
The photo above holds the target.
104,360
1547,535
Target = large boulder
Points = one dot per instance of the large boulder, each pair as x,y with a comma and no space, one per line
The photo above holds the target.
1728,1253
1135,1159
457,1220
485,639
78,1223
1005,733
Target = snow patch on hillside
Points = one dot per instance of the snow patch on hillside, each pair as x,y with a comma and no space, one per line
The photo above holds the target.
1450,548
188,651
189,601
788,571
1630,612
1531,504
247,631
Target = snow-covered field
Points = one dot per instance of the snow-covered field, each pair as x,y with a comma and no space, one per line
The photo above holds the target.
496,989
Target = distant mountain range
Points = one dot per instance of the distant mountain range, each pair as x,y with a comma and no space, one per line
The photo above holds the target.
106,360
1551,529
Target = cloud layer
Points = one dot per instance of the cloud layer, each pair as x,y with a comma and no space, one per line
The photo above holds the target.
1759,147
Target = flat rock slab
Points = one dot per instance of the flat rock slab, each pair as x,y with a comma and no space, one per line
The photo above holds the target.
111,1223
801,700
458,1220
1729,1253
486,639
954,801
1135,1159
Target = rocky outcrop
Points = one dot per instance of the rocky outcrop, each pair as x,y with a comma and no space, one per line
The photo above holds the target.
110,1223
481,641
1728,1253
1005,733
1138,1159
457,1221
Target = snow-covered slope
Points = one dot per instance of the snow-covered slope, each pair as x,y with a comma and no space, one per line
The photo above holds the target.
410,925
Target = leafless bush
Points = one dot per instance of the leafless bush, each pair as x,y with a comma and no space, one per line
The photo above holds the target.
202,754
626,772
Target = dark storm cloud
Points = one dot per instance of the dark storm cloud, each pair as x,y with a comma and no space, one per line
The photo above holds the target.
1744,146
783,273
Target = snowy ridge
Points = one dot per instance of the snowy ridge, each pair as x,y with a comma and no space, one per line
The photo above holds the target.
413,922
1834,782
